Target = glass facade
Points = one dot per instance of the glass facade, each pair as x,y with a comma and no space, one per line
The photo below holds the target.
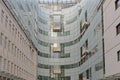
68,37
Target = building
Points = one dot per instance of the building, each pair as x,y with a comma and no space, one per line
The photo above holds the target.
70,41
18,56
91,41
68,37
111,11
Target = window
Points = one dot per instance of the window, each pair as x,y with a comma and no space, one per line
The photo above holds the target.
2,15
86,43
13,29
5,42
15,51
10,25
99,66
80,26
12,48
1,35
8,66
87,74
18,34
118,29
9,45
97,29
117,4
80,11
6,21
85,15
15,32
118,55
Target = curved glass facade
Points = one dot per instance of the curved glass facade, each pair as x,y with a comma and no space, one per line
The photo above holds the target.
68,38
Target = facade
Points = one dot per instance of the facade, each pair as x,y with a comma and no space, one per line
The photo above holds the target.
91,41
111,9
69,39
77,40
18,56
70,42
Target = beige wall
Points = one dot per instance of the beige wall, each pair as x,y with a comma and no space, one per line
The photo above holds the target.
112,41
16,56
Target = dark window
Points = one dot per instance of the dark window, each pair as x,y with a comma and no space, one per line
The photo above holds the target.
1,38
10,25
117,4
6,21
87,74
85,15
81,26
80,11
118,29
2,15
5,42
99,66
8,45
86,43
118,55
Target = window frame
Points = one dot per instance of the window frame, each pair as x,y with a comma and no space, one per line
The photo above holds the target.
117,29
118,55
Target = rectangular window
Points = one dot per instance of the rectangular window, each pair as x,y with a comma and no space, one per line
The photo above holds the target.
99,66
8,66
80,11
2,15
13,26
12,48
87,74
1,35
118,55
86,44
10,25
5,42
18,35
85,15
4,64
117,4
15,51
6,21
15,32
8,45
81,26
118,29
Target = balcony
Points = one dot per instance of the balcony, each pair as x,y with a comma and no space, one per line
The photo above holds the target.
57,29
85,24
56,71
84,56
56,47
84,27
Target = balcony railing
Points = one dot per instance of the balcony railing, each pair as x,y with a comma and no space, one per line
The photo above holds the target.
56,49
57,29
84,27
56,71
